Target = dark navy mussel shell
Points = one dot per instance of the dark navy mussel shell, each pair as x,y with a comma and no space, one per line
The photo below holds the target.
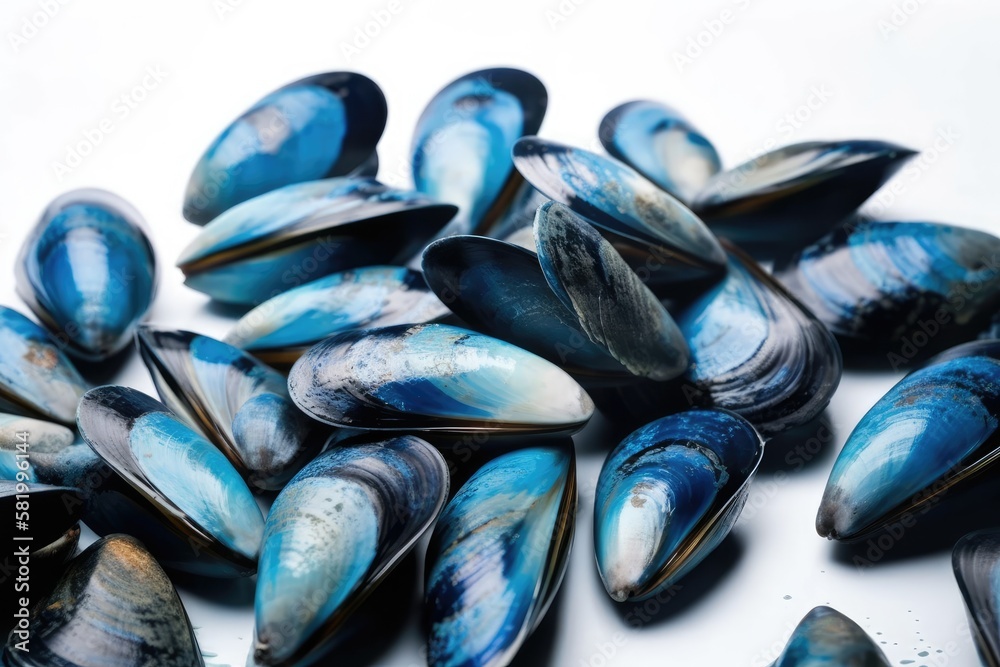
114,605
783,200
825,637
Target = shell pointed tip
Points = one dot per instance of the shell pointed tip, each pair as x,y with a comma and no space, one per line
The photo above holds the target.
826,524
619,595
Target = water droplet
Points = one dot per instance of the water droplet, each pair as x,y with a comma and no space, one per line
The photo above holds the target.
787,597
923,654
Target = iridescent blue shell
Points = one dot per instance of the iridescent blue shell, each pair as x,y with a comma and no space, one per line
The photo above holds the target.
333,535
756,351
321,126
498,555
876,283
302,232
827,638
668,495
281,329
240,404
936,427
462,143
36,378
659,143
88,271
785,199
657,235
184,499
435,378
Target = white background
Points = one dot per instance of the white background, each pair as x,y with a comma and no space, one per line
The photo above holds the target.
928,70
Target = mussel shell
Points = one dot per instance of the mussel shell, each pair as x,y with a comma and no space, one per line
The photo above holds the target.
462,143
757,351
613,306
437,378
498,555
667,496
825,637
937,428
876,283
238,402
36,378
976,561
200,515
499,289
317,127
40,442
655,233
333,535
789,197
88,272
659,143
281,329
114,605
302,232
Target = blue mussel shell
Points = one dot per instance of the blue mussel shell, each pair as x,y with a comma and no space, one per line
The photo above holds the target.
756,351
936,427
667,496
882,285
659,143
280,330
462,143
236,401
36,378
88,272
789,197
827,638
321,126
168,486
976,561
332,536
498,555
302,232
435,378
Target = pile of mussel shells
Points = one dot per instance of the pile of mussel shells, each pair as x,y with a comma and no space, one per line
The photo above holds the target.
519,287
